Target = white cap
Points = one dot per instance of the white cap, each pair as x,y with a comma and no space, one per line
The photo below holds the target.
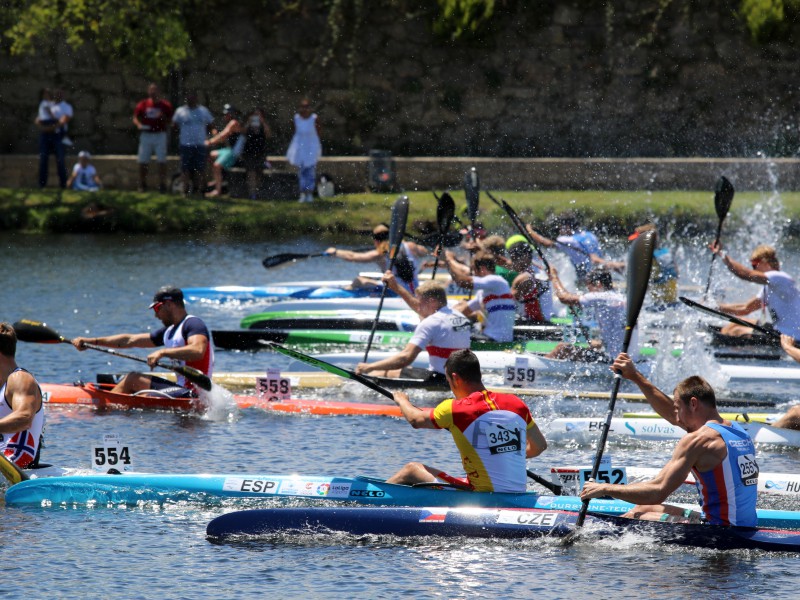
84,154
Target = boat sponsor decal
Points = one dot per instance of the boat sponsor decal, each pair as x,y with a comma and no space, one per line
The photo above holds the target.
789,487
526,517
362,337
318,488
253,485
432,515
367,493
654,429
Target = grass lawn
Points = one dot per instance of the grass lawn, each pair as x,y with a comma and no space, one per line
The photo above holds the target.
615,213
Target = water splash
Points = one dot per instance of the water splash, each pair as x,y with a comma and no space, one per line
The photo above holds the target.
221,406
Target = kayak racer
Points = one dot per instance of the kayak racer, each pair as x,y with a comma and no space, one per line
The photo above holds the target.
718,452
185,340
442,331
21,407
495,433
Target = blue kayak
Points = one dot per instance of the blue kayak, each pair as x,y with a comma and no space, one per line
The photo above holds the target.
297,290
488,523
132,488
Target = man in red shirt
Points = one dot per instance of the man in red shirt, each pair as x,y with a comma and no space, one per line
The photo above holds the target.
152,118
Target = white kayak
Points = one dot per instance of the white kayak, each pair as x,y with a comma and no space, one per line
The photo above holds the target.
784,484
588,429
529,365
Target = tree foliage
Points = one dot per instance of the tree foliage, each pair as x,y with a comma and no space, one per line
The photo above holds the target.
459,17
147,35
766,19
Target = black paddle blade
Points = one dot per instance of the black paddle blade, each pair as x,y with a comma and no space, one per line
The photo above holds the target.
397,227
640,262
279,259
36,331
445,212
196,376
472,190
723,197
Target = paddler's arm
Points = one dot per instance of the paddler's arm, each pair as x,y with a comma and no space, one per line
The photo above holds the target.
195,348
741,271
539,238
536,444
350,256
417,417
402,359
787,343
561,292
391,282
121,340
458,271
742,308
25,400
660,402
658,489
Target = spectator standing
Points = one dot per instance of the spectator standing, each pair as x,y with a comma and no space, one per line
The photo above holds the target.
226,156
254,149
52,118
152,117
193,121
305,149
84,176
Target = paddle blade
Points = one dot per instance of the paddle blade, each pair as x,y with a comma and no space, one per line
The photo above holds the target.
445,211
279,259
38,332
640,262
11,471
723,197
397,227
472,190
196,376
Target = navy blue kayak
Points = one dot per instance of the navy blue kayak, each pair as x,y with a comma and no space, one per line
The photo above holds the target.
488,523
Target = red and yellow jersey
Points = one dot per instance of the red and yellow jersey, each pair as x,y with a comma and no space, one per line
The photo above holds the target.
490,431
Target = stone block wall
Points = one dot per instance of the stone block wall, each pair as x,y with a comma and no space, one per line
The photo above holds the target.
568,78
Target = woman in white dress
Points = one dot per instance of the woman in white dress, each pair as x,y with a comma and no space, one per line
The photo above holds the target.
305,149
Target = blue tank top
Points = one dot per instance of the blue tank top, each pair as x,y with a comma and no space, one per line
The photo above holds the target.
728,492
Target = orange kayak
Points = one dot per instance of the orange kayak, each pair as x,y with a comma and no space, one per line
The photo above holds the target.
101,397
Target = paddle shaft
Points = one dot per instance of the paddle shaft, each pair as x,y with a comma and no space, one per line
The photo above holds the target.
713,257
731,318
553,487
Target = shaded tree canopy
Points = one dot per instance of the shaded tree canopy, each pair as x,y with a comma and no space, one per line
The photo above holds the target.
154,37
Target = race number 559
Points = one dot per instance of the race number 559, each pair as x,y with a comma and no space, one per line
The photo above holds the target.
520,374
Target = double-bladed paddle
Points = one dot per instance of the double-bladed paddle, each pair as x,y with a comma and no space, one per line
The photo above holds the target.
333,369
524,232
397,229
472,190
279,259
640,261
723,197
445,211
731,318
36,331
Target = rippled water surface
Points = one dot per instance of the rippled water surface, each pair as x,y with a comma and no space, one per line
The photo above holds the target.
100,285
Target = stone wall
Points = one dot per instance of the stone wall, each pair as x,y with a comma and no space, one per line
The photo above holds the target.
568,79
441,173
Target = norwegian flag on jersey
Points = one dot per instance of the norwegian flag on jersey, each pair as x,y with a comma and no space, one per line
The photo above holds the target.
21,448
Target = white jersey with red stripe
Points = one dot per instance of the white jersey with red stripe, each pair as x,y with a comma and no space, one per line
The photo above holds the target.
441,334
174,336
493,296
21,447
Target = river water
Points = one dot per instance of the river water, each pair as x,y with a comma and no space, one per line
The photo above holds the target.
96,285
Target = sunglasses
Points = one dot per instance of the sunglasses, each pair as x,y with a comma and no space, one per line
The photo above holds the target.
157,306
755,263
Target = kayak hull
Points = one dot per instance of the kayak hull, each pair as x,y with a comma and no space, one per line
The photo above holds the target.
489,523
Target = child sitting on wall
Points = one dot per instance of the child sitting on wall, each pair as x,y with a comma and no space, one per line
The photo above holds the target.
84,176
